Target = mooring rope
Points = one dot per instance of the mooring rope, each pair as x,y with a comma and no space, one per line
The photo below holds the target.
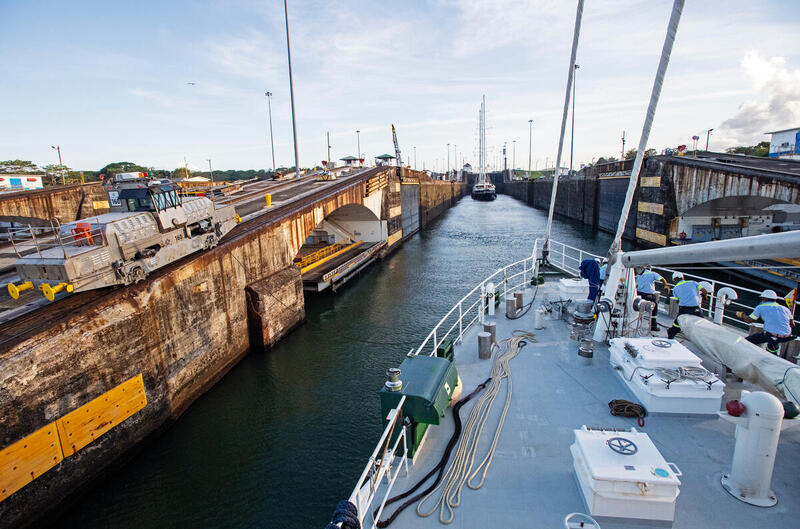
462,467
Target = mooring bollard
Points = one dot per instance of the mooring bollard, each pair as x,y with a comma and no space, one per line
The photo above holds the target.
484,345
269,199
491,328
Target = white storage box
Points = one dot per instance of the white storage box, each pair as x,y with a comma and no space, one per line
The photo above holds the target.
573,288
636,483
665,377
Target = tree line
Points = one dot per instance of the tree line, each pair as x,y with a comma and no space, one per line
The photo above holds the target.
54,174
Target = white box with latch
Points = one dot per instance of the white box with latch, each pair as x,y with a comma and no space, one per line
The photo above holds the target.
623,475
573,288
665,377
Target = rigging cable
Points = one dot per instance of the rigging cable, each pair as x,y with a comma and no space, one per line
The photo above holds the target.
655,94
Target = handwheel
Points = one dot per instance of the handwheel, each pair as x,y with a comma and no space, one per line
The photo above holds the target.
662,343
622,446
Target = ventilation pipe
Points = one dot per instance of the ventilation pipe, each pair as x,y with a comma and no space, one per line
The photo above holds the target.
724,298
757,433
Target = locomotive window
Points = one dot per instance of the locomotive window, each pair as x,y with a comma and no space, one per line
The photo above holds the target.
140,204
160,202
168,197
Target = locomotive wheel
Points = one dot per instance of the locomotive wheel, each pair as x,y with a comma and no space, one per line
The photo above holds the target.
137,274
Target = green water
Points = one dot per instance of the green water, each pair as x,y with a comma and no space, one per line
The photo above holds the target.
283,436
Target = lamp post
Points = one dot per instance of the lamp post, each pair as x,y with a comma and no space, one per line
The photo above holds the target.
60,165
530,147
415,157
358,142
708,134
513,154
447,177
572,140
271,138
291,91
211,172
455,160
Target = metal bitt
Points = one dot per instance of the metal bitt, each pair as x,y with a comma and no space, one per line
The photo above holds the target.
491,328
519,298
484,345
511,307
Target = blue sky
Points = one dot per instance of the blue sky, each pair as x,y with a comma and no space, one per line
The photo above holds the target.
108,80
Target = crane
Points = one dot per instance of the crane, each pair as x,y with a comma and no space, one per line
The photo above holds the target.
396,147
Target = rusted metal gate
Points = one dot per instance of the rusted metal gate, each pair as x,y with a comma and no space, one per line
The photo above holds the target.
410,203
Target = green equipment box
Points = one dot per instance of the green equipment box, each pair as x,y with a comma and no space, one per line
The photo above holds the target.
428,383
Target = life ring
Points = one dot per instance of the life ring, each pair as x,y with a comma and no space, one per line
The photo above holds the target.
682,235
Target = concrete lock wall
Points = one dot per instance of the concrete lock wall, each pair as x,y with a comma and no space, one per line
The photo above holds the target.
435,196
182,329
668,187
65,203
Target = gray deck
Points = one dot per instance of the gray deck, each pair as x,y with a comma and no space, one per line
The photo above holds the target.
531,483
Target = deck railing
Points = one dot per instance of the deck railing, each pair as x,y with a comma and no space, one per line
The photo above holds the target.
31,239
465,313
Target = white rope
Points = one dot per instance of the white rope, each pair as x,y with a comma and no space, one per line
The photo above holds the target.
666,51
570,74
461,468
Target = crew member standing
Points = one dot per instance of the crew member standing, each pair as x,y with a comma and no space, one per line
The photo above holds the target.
689,296
590,269
645,287
777,322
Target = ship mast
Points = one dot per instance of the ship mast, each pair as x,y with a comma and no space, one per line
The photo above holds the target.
482,142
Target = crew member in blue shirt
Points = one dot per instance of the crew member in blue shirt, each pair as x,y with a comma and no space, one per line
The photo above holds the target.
590,269
777,322
645,287
689,296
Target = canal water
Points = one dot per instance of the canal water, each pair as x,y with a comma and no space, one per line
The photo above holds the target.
285,434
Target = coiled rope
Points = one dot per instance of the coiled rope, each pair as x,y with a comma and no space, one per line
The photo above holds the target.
626,408
462,468
439,466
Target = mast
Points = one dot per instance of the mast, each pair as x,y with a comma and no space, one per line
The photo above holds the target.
482,142
576,34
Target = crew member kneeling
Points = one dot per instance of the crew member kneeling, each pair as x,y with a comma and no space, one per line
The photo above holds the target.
645,287
777,322
688,294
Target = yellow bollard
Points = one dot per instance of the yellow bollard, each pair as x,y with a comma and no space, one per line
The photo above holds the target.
269,200
14,290
51,291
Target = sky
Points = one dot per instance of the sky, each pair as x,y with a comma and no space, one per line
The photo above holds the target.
109,81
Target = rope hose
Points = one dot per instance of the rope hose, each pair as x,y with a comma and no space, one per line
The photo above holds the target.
439,466
626,408
462,469
526,308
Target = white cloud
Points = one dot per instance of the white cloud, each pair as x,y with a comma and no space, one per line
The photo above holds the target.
777,101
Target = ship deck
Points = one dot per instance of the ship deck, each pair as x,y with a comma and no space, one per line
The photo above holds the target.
531,482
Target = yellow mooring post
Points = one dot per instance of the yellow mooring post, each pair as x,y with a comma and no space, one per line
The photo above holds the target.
269,199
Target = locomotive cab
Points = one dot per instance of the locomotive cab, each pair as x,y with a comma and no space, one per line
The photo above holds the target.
162,199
